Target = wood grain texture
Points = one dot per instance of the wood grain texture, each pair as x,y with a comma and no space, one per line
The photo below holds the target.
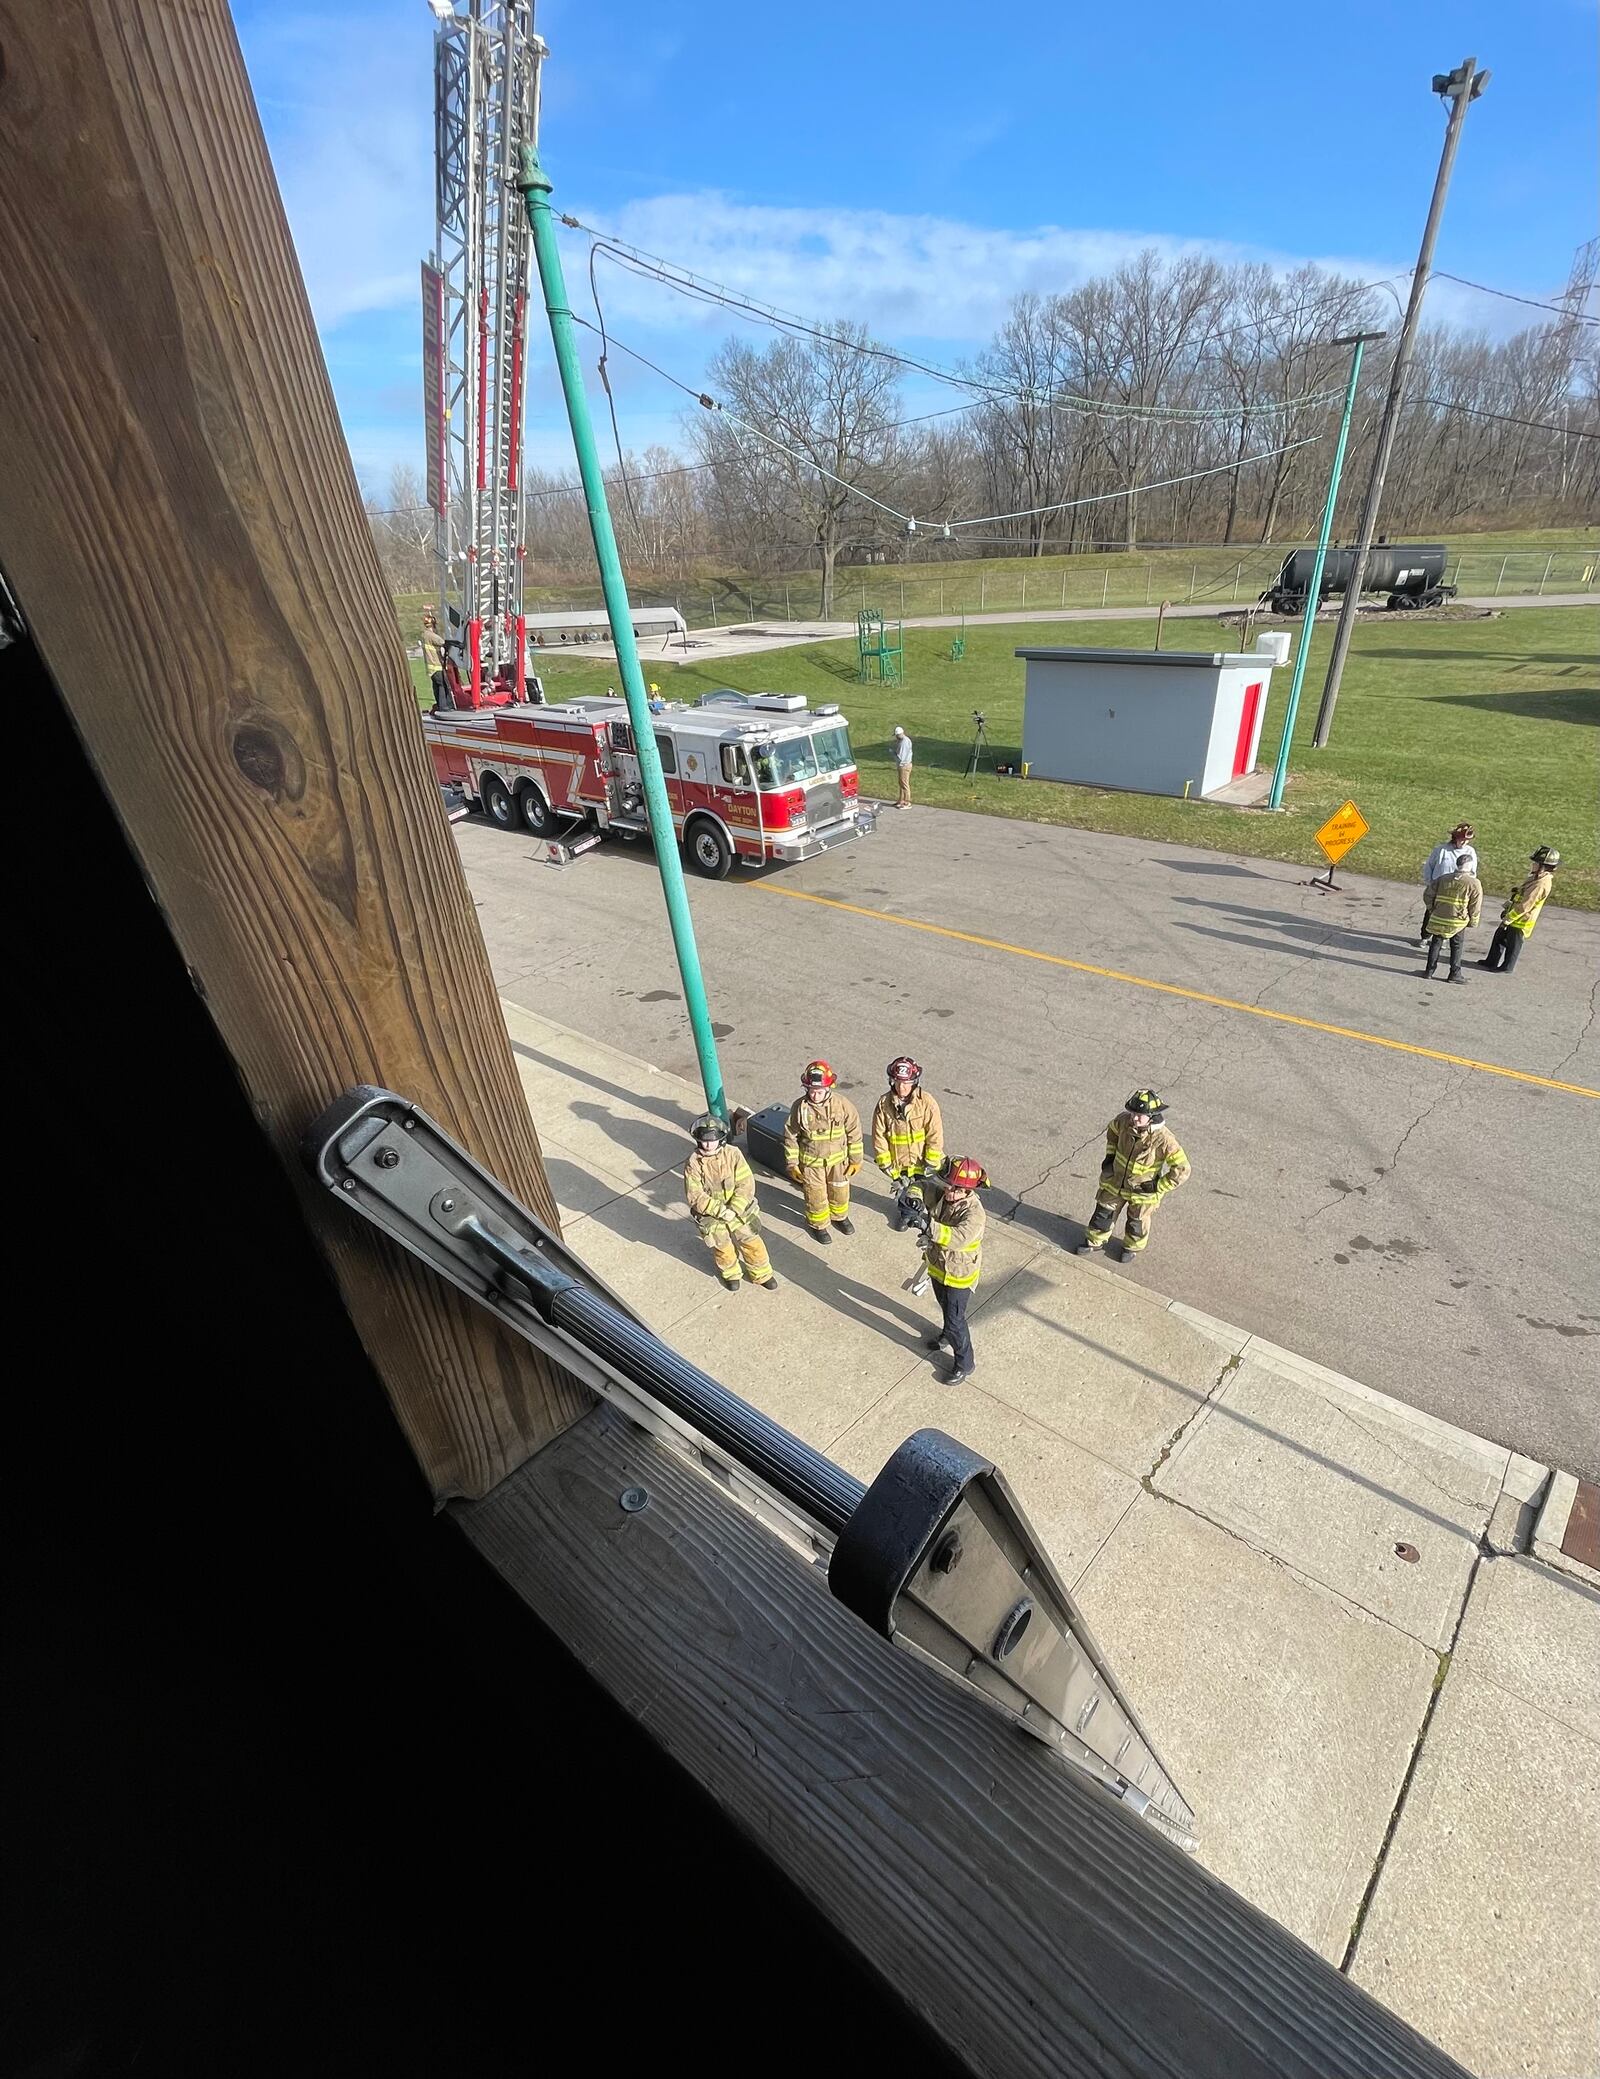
181,526
1036,1926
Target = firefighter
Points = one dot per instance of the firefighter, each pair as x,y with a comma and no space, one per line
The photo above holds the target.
1456,852
823,1147
722,1197
1453,904
954,1250
1143,1162
1521,913
433,658
907,1132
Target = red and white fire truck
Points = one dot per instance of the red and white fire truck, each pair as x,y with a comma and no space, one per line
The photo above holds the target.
751,776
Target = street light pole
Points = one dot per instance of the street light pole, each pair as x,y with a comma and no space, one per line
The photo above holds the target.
1459,88
1280,771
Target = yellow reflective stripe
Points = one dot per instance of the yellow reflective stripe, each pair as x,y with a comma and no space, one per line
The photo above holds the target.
943,1277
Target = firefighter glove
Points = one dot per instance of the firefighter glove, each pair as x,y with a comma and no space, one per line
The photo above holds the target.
852,1169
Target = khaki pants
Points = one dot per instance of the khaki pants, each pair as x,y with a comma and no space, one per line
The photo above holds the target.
731,1246
905,787
826,1189
1107,1202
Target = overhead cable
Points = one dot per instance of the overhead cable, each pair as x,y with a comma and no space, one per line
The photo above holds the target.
687,283
1561,310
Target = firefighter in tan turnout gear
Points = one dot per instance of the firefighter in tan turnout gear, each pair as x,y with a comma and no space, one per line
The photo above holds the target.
1143,1162
907,1132
722,1197
823,1148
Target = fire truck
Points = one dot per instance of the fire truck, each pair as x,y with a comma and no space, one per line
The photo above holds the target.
752,777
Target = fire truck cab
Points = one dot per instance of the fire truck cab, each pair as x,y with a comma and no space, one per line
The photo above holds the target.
753,777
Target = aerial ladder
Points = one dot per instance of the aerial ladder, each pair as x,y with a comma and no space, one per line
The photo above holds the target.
475,290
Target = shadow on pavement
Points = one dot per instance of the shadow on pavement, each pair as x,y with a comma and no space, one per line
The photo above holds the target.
1269,945
662,1107
1293,925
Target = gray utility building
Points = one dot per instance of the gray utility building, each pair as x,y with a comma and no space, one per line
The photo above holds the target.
1152,721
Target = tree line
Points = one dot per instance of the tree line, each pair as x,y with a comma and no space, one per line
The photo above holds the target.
1228,377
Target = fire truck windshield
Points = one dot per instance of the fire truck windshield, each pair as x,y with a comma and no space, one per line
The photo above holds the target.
800,758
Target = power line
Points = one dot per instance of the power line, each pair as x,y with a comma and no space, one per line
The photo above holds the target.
1509,419
686,283
1561,310
1138,490
710,403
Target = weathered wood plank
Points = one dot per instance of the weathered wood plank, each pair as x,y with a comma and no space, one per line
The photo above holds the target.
1036,1926
180,524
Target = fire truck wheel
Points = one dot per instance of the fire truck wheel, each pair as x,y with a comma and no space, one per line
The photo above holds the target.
536,813
497,803
709,851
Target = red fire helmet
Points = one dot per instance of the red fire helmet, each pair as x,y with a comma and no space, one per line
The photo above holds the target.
817,1075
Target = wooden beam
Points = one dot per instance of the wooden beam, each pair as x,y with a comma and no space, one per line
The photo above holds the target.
1036,1926
181,527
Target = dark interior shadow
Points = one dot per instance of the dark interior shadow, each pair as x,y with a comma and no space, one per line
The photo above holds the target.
662,1107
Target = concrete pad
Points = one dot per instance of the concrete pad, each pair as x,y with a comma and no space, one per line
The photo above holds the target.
1291,1471
1093,1360
1536,1635
1073,1500
1231,1339
1484,1928
1286,1717
1468,1466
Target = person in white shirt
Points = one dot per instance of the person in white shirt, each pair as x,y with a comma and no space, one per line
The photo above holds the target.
1457,854
902,761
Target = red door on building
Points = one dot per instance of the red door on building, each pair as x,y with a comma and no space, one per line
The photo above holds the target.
1247,729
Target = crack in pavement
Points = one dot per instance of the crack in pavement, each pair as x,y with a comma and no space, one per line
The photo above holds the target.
1594,1005
1453,1089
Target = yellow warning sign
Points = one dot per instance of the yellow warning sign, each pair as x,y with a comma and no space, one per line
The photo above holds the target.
1345,828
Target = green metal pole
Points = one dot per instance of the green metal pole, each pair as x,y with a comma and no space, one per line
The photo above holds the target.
535,188
1280,771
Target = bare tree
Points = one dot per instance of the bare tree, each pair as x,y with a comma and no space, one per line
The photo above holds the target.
806,420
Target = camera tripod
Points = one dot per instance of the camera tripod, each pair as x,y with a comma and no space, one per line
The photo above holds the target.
980,742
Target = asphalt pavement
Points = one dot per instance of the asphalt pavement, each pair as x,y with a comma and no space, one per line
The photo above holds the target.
1423,1224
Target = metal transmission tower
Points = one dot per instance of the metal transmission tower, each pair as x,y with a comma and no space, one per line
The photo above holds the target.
474,336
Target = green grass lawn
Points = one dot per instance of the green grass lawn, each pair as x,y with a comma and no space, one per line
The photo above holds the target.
1495,721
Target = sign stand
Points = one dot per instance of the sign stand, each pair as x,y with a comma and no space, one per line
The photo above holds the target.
1345,828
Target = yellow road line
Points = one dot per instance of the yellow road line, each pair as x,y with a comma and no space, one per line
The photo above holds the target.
1222,1003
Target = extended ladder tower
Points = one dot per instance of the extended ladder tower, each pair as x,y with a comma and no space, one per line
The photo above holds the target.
474,336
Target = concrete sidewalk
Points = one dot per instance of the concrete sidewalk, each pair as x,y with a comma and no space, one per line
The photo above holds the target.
1385,1715
745,638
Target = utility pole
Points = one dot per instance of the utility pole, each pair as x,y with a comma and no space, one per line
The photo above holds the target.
1459,88
535,186
1280,771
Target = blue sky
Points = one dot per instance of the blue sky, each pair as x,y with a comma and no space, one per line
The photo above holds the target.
915,166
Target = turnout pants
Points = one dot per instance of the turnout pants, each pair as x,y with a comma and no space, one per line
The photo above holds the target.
732,1246
1108,1201
826,1189
1455,943
1504,949
953,1309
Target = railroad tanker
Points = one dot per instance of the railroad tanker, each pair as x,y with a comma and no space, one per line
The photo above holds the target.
1412,576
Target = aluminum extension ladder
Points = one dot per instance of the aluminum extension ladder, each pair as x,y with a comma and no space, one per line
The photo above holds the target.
935,1554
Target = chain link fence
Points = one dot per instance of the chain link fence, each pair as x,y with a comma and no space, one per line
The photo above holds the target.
1220,577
